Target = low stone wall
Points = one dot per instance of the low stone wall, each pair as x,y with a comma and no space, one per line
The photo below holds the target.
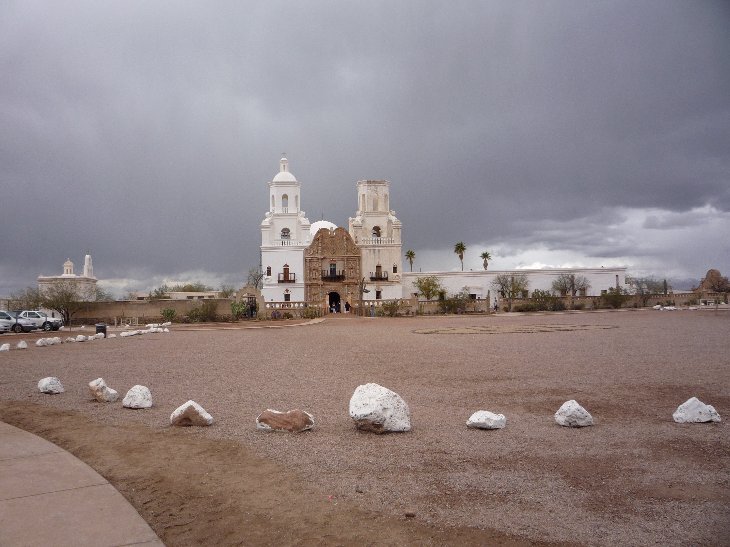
143,310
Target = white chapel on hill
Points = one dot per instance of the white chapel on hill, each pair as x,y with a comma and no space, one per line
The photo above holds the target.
322,264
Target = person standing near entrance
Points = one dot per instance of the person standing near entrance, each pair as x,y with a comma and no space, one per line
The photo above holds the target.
347,307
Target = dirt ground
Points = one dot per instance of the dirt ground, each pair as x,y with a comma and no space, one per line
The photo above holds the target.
636,477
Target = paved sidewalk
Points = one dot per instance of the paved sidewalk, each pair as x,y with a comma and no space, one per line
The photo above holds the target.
49,497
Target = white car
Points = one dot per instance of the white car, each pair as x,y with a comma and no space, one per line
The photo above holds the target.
41,320
15,323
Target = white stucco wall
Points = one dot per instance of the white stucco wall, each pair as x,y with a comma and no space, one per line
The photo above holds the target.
480,282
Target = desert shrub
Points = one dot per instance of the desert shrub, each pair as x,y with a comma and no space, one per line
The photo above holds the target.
206,312
544,301
168,314
391,308
578,305
288,315
614,298
456,303
309,313
239,310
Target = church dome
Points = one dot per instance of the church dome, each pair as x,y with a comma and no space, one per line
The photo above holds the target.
317,226
284,175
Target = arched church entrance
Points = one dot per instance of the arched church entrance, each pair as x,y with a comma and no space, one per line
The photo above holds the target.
334,302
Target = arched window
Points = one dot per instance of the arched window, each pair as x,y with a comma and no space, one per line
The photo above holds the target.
375,203
376,231
284,202
285,233
395,268
272,203
268,271
296,202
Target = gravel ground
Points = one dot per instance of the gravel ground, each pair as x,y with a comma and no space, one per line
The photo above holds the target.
636,477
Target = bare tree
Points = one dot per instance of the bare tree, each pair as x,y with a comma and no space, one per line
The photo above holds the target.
644,287
255,277
510,286
63,297
570,284
226,291
29,298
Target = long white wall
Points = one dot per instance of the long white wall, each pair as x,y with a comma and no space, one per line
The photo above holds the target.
480,282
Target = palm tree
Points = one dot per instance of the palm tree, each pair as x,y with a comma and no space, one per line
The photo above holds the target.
487,257
460,249
410,255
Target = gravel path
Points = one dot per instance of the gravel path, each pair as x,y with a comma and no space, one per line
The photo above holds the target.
636,477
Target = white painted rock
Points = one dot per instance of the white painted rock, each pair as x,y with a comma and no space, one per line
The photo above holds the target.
483,419
5,347
70,339
293,421
101,392
190,413
99,335
50,385
695,411
22,345
112,335
138,397
571,414
55,340
81,338
41,342
166,329
378,409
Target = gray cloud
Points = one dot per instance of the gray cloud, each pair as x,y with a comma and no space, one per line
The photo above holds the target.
145,133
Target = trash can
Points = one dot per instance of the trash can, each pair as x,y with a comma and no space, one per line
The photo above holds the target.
101,328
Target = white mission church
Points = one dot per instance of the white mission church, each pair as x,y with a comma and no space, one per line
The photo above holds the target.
321,264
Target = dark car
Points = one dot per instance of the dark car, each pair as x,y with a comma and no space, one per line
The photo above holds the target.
16,323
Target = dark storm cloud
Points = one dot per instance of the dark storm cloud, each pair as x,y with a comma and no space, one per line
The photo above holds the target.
145,132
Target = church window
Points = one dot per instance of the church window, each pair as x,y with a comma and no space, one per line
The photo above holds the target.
378,295
375,203
395,268
296,202
287,297
285,233
268,271
284,203
333,269
376,231
272,203
378,271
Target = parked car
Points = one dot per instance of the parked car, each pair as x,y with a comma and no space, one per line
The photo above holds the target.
17,323
41,320
6,322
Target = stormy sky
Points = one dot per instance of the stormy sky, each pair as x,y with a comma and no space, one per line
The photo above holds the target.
550,133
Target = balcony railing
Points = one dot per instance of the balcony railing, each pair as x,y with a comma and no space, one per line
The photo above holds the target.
287,278
378,276
377,240
328,275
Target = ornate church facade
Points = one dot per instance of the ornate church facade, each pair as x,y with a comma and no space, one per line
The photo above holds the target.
321,264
